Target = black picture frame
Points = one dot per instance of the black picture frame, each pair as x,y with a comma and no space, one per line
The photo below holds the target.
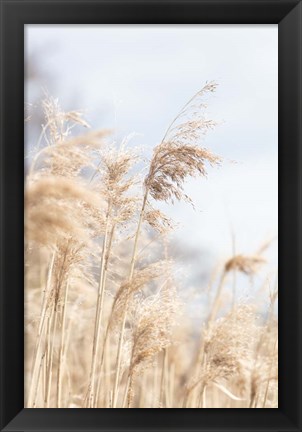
14,15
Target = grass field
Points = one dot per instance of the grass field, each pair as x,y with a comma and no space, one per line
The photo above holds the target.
107,323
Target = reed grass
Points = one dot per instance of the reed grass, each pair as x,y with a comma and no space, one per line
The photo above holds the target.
106,321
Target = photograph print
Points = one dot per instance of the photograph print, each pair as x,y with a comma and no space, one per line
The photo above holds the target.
151,223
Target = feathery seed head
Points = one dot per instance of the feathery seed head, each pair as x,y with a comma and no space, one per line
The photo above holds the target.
248,265
171,165
178,156
229,343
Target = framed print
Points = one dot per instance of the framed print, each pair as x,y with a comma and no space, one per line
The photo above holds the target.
150,236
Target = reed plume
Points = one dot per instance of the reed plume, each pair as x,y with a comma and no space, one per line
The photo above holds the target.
228,350
112,181
153,320
58,217
174,160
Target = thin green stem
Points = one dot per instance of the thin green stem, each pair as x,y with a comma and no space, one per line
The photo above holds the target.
98,315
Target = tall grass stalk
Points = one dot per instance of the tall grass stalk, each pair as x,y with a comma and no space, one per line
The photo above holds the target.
61,359
98,316
39,338
131,272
